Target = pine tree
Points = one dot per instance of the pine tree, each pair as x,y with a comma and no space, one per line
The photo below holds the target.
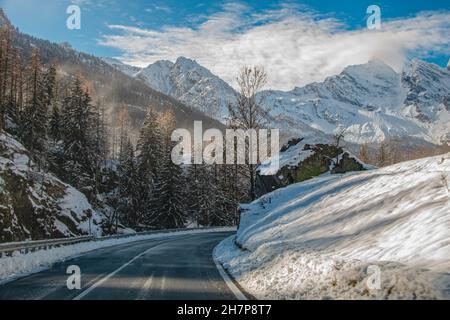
55,130
149,148
34,123
207,196
225,213
149,145
213,193
78,145
128,210
168,196
49,85
193,189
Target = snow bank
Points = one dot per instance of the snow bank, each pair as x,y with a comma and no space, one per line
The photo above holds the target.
338,236
22,264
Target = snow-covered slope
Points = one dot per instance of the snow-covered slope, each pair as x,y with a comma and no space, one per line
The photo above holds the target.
188,82
37,205
125,68
372,102
325,237
158,76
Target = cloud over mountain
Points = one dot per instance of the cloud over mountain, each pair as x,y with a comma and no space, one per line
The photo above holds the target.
296,45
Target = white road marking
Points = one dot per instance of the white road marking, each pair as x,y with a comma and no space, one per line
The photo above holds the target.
147,285
101,281
163,283
237,293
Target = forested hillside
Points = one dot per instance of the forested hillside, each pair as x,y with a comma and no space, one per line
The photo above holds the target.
83,131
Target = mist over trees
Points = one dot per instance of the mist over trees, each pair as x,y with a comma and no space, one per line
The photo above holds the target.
136,185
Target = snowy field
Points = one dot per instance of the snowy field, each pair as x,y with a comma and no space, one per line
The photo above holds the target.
380,234
22,264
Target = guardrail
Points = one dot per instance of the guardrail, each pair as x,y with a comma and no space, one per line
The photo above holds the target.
29,246
7,249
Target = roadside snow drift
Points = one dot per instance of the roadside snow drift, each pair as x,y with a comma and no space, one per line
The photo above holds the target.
379,234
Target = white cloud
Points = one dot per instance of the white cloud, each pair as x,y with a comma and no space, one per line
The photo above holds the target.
162,8
295,45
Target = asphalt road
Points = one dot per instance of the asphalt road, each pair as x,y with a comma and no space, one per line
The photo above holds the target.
174,268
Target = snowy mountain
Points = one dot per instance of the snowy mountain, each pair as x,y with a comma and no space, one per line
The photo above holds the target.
188,82
326,237
372,102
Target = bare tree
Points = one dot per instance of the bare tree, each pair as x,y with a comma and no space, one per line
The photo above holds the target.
363,153
248,112
383,154
338,138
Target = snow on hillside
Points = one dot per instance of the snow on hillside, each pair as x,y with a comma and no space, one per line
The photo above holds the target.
325,237
157,76
127,69
36,205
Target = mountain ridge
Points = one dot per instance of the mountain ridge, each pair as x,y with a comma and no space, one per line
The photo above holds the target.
371,102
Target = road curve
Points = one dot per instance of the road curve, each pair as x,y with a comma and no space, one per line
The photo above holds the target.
174,268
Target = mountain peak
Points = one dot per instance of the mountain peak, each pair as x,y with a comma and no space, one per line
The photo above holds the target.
182,59
187,63
374,66
160,64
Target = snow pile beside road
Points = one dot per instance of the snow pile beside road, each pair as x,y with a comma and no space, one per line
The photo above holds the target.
380,234
22,264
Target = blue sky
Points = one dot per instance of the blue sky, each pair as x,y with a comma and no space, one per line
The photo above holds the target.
140,32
